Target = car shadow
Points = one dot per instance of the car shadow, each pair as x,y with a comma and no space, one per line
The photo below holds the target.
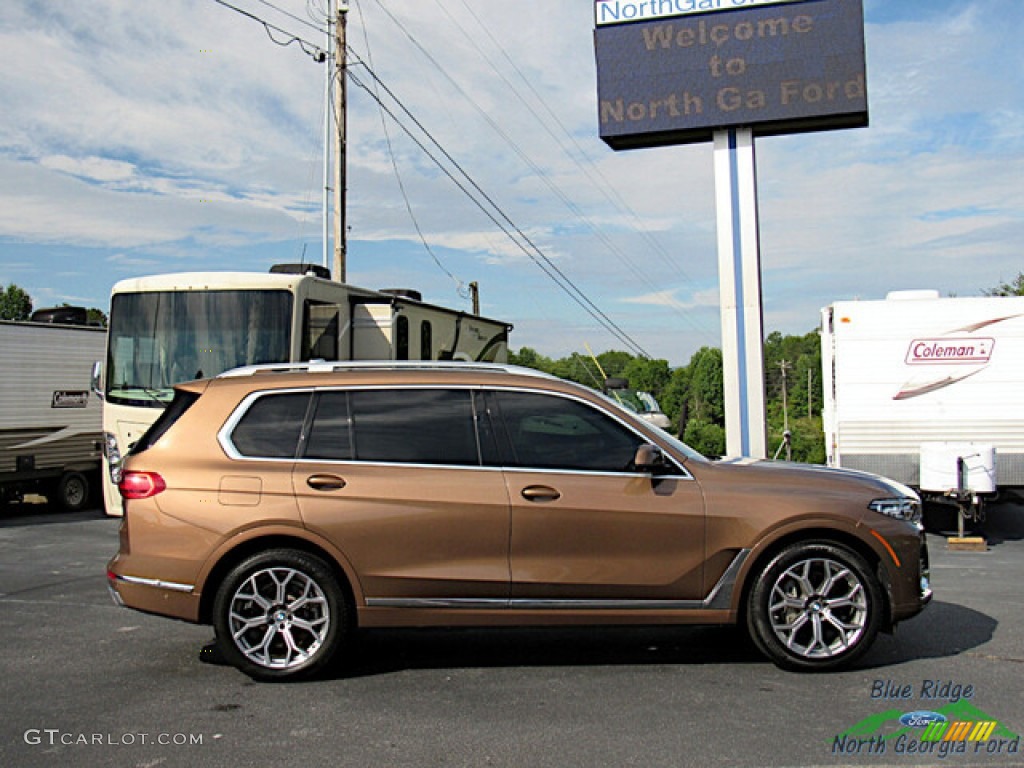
385,651
942,631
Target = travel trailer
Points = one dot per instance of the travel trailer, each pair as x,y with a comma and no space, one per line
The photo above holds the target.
50,427
928,391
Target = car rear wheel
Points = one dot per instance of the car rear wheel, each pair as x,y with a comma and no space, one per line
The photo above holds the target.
280,615
815,606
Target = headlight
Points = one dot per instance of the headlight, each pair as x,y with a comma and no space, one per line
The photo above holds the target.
901,508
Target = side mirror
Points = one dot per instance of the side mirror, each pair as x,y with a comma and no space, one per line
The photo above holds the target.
648,458
96,382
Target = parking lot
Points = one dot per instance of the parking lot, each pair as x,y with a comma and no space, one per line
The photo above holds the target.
86,683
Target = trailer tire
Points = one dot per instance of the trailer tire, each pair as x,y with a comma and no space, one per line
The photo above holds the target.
73,491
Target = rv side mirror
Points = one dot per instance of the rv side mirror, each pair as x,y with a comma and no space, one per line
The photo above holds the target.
649,458
96,382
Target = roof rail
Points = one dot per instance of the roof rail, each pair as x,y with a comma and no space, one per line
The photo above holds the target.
325,366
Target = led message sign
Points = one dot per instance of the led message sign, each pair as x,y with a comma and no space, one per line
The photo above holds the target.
675,71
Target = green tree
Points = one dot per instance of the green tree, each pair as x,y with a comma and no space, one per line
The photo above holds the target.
530,358
614,362
648,375
794,395
15,303
706,387
703,436
1014,288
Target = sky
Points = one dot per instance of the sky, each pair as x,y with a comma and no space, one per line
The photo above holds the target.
141,137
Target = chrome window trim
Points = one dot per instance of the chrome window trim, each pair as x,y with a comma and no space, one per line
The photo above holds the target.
224,435
684,474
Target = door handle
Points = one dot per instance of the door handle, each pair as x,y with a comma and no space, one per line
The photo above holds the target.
325,482
540,493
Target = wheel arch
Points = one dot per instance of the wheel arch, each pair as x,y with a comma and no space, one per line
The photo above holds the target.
228,560
824,535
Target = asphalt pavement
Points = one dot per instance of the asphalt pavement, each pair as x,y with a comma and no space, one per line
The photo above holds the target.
85,683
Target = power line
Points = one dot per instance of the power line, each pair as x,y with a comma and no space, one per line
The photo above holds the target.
312,50
497,215
580,159
460,285
492,210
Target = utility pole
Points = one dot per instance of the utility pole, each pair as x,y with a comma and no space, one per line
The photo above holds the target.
474,291
787,436
341,119
784,366
810,394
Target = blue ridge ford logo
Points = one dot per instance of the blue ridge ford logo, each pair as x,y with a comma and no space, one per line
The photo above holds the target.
922,718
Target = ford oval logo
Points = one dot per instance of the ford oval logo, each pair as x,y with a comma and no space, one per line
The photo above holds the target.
922,718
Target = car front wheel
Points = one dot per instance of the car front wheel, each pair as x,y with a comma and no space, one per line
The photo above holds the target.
815,606
280,615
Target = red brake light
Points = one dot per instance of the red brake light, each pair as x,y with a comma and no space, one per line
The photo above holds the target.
141,485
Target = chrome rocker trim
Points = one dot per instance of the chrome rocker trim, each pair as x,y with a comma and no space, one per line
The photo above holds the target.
719,599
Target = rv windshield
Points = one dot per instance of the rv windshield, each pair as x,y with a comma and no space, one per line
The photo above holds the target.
161,338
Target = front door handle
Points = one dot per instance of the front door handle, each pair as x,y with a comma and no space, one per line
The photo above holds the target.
325,482
540,493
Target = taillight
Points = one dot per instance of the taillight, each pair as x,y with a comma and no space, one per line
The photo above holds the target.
140,485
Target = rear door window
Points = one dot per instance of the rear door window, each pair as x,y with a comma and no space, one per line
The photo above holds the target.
330,436
417,426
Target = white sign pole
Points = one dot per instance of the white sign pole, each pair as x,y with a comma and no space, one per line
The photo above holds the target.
739,277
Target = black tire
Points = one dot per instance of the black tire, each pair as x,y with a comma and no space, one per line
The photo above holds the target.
816,606
296,628
73,491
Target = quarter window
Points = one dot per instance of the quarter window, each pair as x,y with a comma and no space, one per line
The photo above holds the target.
270,428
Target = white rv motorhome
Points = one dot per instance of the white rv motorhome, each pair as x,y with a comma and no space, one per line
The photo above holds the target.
50,428
928,391
166,329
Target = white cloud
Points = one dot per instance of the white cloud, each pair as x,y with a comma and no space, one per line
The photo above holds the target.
155,134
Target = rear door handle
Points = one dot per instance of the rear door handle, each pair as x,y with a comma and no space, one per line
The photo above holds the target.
540,493
325,482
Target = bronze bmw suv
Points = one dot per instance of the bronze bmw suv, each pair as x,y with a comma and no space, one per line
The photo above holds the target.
288,505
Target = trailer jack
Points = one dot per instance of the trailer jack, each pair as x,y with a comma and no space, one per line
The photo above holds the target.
970,506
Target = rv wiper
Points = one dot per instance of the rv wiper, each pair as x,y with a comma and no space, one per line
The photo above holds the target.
156,395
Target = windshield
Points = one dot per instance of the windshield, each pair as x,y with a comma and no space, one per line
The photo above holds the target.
159,339
634,400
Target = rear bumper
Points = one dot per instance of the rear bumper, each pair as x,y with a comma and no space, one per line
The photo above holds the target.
178,601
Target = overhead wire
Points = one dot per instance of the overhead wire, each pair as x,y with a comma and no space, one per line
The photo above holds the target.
492,210
496,214
312,50
620,333
579,157
461,288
